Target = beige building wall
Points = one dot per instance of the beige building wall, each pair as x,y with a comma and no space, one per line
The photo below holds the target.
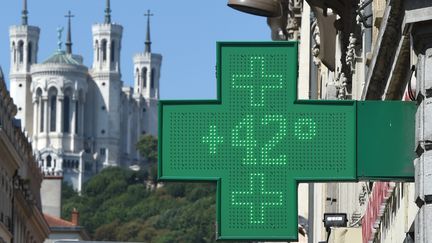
21,217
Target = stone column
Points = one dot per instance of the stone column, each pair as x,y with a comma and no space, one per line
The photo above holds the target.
81,119
422,36
128,133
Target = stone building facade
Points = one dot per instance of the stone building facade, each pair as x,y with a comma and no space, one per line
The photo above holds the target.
366,50
82,119
21,218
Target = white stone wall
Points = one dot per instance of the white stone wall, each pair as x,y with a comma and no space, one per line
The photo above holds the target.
23,53
105,119
147,68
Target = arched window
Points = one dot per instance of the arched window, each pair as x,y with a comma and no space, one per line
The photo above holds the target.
112,51
152,78
21,51
29,52
48,160
53,109
42,118
137,74
14,52
144,77
42,110
104,50
97,50
66,114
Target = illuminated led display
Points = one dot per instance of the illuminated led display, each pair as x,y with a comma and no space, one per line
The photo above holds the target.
257,198
212,139
257,140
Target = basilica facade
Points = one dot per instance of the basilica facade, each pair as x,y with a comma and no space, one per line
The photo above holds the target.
81,119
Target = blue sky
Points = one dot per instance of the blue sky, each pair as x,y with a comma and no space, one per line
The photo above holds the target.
184,32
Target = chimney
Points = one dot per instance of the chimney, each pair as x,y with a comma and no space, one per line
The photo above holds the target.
75,217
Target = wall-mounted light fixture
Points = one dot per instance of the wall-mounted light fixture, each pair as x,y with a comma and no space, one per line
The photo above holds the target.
266,8
335,220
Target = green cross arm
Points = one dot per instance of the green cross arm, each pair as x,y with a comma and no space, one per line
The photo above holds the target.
258,141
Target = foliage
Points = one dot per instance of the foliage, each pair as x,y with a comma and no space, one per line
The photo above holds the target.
147,146
116,205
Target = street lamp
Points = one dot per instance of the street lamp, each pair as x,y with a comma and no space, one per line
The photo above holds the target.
266,8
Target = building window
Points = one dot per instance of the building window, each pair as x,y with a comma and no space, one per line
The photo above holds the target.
29,52
97,50
14,52
42,116
48,160
53,109
102,151
21,51
152,80
104,50
138,78
112,54
66,114
144,77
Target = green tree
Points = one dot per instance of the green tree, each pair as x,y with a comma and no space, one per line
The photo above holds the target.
116,205
148,147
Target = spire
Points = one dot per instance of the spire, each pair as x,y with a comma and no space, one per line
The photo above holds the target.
24,16
108,12
69,34
148,42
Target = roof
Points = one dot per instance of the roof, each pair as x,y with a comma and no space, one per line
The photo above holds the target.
59,226
57,222
61,57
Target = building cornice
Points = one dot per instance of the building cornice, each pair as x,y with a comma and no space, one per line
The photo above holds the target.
104,75
22,31
58,69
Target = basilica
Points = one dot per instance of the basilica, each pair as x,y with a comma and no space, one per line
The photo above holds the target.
82,119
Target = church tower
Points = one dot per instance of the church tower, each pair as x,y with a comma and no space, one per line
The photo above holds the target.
24,40
107,78
147,67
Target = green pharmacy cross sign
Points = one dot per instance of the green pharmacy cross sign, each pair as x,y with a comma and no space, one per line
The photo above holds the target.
258,141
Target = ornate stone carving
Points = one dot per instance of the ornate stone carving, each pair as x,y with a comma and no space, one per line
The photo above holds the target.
340,85
316,42
350,54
